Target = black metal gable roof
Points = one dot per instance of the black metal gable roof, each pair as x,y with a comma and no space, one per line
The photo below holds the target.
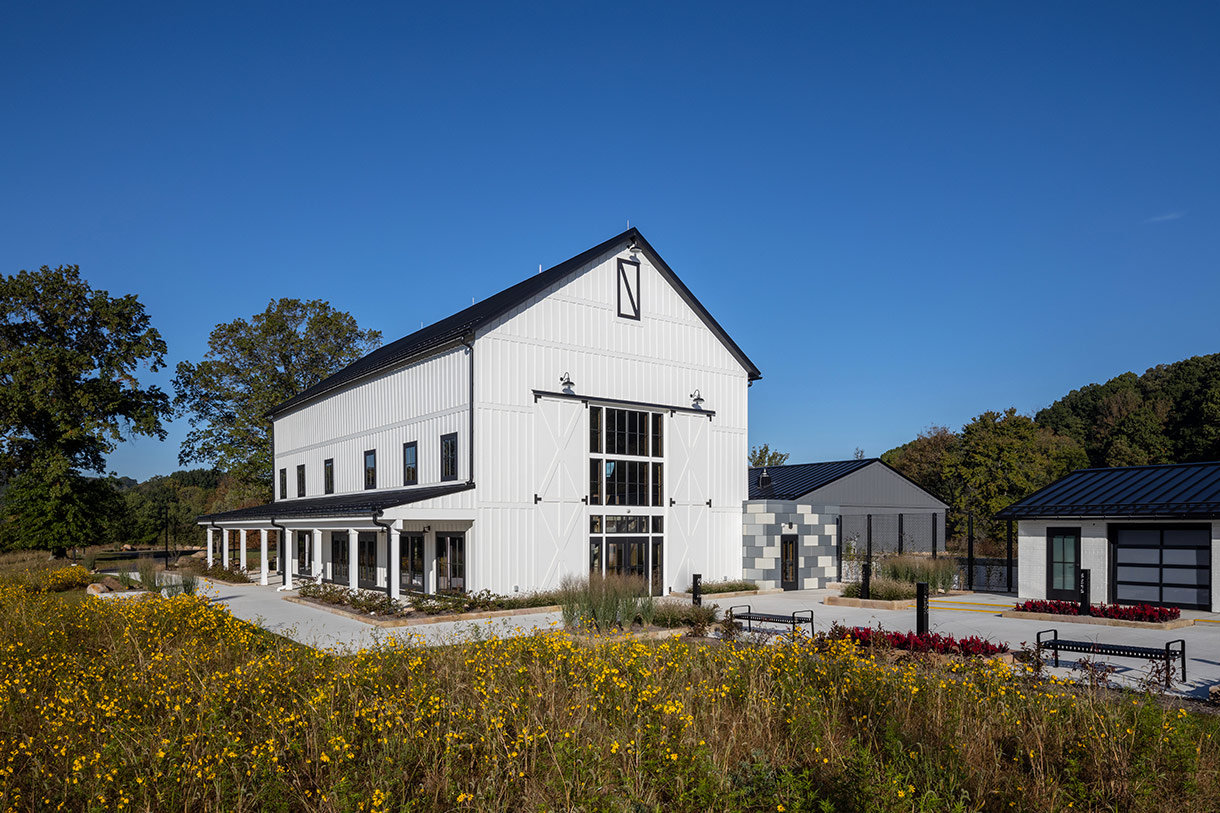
790,482
343,505
463,323
1184,490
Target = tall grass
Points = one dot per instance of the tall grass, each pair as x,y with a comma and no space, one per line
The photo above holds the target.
171,704
938,573
147,568
605,602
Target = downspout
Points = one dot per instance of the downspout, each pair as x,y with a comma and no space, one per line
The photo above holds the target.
468,342
388,530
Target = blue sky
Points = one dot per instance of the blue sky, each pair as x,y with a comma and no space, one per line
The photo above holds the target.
906,214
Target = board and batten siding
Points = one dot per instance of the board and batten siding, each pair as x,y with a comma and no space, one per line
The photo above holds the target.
574,328
419,402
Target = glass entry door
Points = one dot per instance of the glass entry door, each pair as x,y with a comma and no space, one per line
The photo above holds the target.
450,563
411,562
304,560
339,572
366,559
1063,564
788,562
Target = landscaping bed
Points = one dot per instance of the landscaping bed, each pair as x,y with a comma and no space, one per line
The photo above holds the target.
1135,616
377,607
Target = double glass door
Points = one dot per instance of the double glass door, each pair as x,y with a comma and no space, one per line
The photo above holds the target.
366,559
340,571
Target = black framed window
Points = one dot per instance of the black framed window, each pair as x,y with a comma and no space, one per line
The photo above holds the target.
629,289
595,481
283,484
410,464
658,434
449,456
301,480
370,468
411,562
450,563
595,430
328,475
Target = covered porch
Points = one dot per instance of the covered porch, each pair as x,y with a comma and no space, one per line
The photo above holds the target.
396,542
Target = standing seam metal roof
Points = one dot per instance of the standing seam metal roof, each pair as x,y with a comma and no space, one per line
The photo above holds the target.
797,480
461,324
1178,490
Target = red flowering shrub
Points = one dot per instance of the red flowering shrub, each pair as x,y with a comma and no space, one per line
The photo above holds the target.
931,642
1123,612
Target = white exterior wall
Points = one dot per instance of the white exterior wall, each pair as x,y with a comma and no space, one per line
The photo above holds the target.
1094,554
660,359
418,403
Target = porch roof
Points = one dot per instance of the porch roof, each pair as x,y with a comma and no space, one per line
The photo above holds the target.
343,505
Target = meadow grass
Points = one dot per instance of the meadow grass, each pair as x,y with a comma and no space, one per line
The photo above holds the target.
172,704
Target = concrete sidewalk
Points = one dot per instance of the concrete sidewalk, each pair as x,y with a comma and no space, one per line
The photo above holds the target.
960,616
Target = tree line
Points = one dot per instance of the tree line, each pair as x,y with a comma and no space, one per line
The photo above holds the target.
70,361
1170,414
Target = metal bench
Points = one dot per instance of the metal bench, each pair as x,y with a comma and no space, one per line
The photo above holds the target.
792,619
1168,654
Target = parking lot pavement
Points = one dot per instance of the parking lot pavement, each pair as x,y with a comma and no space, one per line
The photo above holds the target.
959,616
979,614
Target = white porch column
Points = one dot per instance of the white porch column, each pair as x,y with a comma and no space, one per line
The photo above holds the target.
241,547
262,556
352,552
317,552
224,549
392,568
211,549
287,542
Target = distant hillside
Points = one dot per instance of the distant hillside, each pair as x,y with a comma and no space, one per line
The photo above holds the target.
1170,414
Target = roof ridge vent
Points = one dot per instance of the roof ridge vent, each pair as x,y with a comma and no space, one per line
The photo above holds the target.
764,479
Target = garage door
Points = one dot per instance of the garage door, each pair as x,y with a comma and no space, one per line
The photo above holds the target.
1168,565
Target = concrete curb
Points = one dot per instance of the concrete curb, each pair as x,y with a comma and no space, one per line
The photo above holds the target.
1101,622
415,622
770,591
877,604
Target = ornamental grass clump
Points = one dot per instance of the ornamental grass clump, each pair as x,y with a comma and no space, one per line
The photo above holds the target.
728,586
912,569
881,589
159,704
147,568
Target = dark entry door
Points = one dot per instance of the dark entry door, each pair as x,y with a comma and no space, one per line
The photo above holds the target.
789,561
1063,563
451,563
366,559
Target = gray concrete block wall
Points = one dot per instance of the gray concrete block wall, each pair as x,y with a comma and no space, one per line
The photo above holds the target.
765,521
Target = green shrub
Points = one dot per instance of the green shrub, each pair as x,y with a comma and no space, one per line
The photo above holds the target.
672,614
190,583
368,602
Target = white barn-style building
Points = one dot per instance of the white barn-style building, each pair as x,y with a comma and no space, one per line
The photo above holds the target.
590,418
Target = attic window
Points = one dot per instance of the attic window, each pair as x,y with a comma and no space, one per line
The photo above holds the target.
628,289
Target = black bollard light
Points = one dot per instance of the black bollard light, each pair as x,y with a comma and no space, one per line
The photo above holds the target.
1085,592
865,589
921,608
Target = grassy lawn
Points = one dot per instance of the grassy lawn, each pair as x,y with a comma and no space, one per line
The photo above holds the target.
172,704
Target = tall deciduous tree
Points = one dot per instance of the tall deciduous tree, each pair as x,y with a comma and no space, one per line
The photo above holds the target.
69,355
251,366
764,456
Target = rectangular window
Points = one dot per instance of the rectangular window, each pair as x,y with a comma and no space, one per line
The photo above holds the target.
283,484
628,289
301,480
449,456
658,483
595,556
328,475
626,482
370,468
658,435
595,482
410,465
595,430
451,563
627,432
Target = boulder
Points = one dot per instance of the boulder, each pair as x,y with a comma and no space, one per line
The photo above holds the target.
199,554
128,547
96,589
1213,695
111,583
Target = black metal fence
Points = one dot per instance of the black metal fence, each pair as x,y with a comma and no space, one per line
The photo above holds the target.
867,537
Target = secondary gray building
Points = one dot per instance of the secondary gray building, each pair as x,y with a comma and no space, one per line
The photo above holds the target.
795,514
